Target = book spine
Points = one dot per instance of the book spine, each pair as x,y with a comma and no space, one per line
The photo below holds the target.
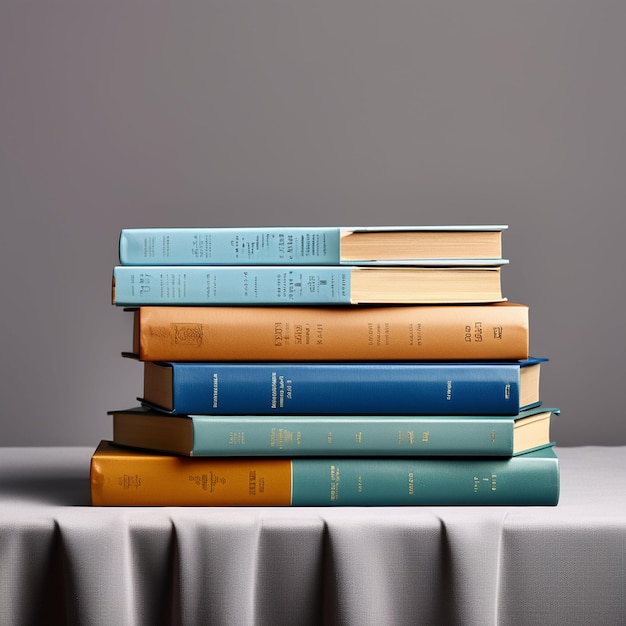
159,480
197,285
440,333
230,246
360,436
357,388
521,480
127,479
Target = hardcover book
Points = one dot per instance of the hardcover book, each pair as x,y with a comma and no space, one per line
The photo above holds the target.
125,477
271,333
358,388
332,435
292,285
311,245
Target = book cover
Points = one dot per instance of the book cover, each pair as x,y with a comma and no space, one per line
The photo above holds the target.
292,285
125,477
316,333
478,244
360,388
332,435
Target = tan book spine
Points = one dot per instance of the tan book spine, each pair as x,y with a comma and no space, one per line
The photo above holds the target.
122,477
450,332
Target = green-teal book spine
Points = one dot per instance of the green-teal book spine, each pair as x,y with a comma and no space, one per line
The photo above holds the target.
321,435
527,479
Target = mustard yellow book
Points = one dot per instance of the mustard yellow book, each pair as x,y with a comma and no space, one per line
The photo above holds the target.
324,333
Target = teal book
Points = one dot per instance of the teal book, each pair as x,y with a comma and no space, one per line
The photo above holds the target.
127,477
333,435
476,244
353,387
301,285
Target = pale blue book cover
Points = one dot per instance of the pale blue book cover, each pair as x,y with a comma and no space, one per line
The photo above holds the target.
273,245
230,285
229,246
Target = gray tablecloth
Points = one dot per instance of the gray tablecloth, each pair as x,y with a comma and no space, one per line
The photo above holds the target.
63,561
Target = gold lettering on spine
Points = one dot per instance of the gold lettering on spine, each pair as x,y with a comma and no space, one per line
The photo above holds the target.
280,437
410,437
334,483
490,481
236,438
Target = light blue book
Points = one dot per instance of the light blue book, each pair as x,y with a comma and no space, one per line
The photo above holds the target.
420,245
257,284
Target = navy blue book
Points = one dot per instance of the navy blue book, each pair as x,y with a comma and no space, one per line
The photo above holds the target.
363,388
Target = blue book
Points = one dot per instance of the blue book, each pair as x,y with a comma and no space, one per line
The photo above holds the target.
357,388
333,435
156,479
476,244
297,285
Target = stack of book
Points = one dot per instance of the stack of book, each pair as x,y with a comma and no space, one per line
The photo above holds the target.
325,366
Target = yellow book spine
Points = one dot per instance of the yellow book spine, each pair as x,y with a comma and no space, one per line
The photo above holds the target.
123,477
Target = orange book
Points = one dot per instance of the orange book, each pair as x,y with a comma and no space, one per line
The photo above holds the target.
497,331
125,477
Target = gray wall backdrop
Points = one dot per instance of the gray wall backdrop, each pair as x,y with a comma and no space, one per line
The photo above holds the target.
268,112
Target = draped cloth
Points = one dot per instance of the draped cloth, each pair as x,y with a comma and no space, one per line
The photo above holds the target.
63,561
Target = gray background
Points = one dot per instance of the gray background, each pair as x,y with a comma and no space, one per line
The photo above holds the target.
120,114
